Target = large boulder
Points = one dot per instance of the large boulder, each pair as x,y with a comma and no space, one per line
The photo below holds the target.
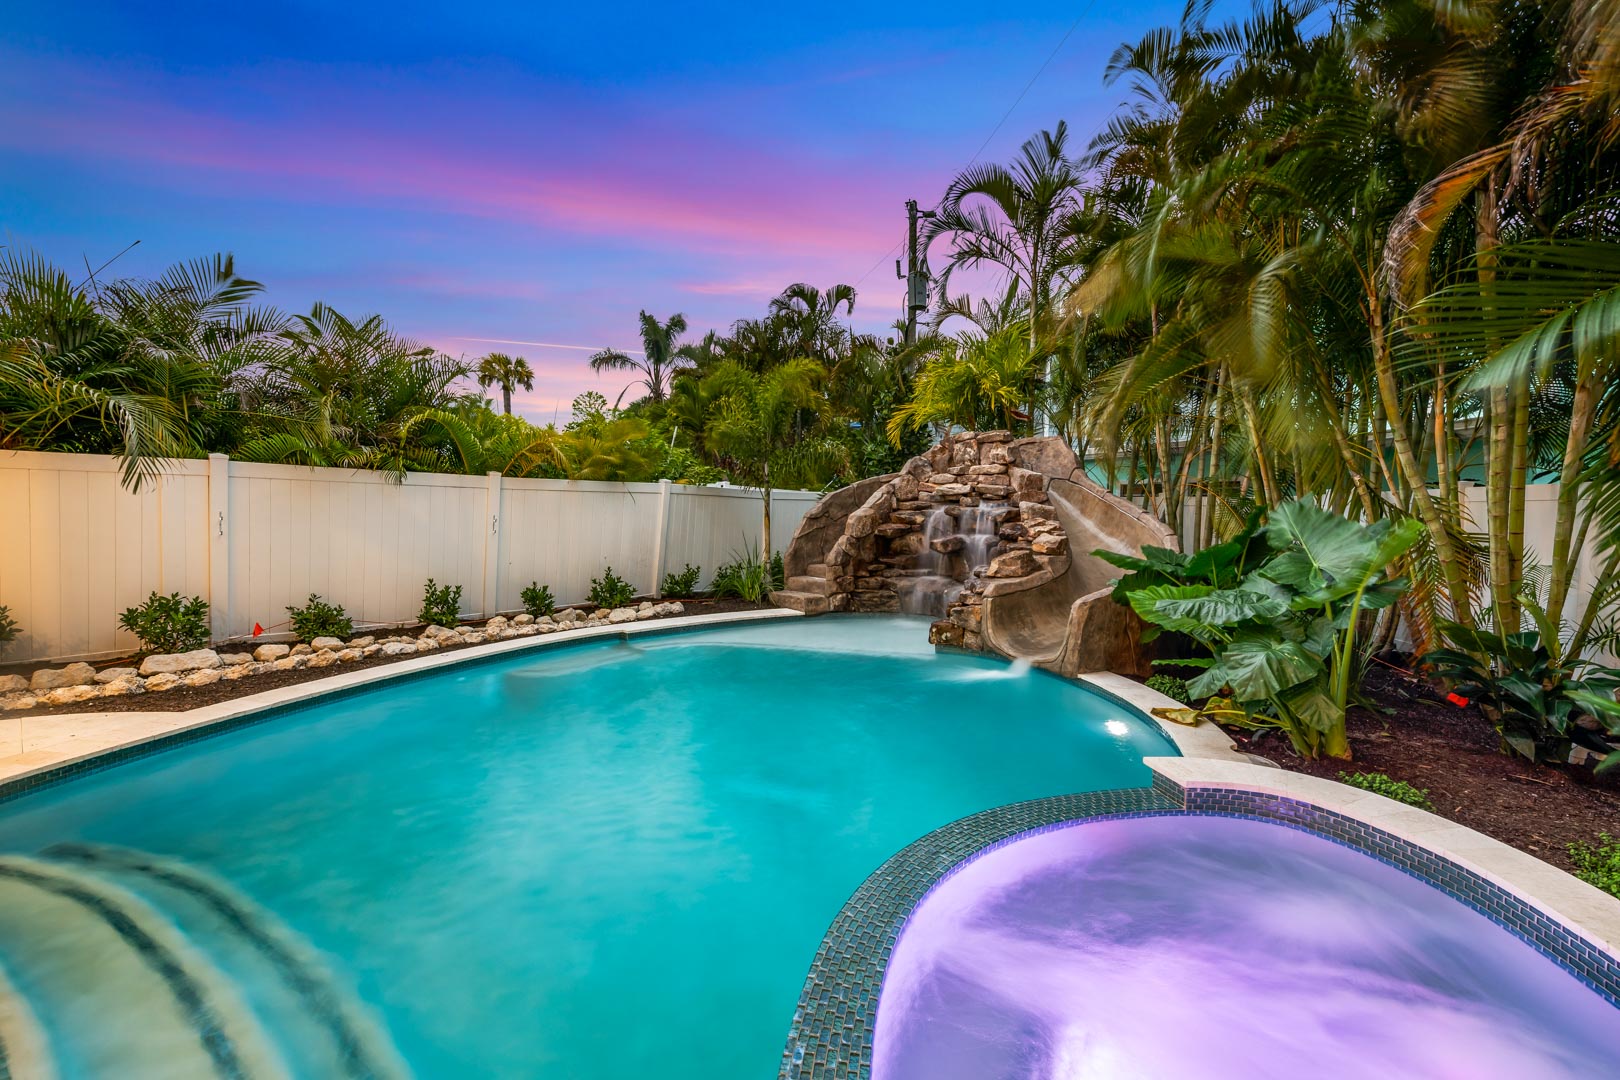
326,642
57,678
12,683
266,654
1012,564
179,663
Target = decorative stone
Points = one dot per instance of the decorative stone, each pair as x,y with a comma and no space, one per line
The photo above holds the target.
522,620
994,492
231,659
362,642
302,650
987,470
124,685
996,454
622,615
161,682
645,605
180,663
11,684
952,491
56,678
324,658
1050,545
330,644
473,638
678,606
205,677
267,653
18,701
373,649
348,656
289,663
400,648
70,695
1011,564
905,488
862,522
1030,512
241,671
948,545
496,625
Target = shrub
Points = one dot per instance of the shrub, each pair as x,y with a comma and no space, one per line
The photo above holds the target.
684,583
1380,784
8,627
1524,684
1170,687
744,577
537,599
441,604
317,618
168,624
611,591
1598,864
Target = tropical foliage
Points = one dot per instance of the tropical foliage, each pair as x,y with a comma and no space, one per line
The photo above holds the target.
317,618
168,624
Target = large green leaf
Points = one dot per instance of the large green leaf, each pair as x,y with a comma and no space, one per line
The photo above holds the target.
1145,602
1257,669
1221,608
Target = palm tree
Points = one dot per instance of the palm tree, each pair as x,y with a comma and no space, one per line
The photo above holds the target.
756,422
661,355
1021,219
507,372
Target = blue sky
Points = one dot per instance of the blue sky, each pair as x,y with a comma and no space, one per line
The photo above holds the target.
529,173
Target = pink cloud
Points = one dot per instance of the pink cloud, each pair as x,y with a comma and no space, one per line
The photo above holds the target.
711,195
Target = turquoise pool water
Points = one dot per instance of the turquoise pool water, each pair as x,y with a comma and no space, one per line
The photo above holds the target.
602,860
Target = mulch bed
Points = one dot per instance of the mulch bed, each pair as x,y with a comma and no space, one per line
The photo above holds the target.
1415,735
184,698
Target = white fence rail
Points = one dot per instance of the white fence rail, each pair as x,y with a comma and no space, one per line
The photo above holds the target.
76,549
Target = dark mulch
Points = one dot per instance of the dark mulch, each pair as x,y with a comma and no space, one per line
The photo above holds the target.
183,698
1415,735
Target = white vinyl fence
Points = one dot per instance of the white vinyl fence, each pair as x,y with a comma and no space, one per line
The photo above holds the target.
76,549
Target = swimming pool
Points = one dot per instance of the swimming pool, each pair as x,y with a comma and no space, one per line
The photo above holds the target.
600,860
1189,945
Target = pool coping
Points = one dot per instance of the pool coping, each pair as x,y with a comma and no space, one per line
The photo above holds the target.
1574,924
90,741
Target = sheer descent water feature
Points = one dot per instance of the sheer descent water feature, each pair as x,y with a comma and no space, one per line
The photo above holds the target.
958,542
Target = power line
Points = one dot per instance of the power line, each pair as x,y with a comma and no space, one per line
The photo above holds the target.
1033,79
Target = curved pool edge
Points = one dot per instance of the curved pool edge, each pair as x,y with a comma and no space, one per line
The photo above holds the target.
1574,924
72,744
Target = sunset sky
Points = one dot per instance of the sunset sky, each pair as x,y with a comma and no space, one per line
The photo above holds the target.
525,173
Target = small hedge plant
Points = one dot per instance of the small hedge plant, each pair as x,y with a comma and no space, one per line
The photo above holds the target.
611,591
1598,864
1380,784
317,618
1170,687
441,604
8,627
537,599
168,624
684,583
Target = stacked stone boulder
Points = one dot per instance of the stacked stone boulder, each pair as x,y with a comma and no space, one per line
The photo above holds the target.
80,683
884,540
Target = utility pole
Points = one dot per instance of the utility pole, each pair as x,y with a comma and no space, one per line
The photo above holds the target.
915,274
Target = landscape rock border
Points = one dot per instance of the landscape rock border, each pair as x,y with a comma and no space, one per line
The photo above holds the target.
78,683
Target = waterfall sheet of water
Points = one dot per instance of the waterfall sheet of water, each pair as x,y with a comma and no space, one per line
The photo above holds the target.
942,574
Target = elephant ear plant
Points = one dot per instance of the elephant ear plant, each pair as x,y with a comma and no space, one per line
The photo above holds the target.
1279,619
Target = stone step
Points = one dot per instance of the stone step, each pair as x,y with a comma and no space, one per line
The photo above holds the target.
817,569
804,583
809,603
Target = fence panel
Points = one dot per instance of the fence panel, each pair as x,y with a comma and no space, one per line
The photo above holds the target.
76,548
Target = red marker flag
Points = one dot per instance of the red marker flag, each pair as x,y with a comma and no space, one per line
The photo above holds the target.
1457,700
257,629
